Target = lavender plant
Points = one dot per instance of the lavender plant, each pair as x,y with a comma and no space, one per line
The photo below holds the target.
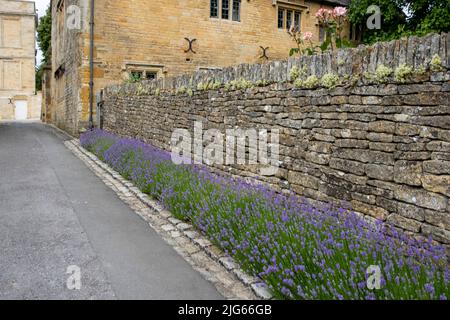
301,251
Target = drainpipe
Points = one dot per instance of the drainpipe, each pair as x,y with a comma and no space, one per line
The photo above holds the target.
91,68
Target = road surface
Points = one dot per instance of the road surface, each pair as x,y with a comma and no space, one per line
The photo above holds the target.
56,217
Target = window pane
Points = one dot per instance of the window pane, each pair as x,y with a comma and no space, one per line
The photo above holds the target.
214,8
136,75
280,18
297,21
225,9
236,10
288,19
149,75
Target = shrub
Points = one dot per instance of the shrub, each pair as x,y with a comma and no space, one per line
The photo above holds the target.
301,251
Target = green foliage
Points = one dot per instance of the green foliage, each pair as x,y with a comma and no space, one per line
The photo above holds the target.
133,78
421,17
44,40
38,78
430,16
44,34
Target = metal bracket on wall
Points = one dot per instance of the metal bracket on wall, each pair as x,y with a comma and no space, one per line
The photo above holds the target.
190,45
264,52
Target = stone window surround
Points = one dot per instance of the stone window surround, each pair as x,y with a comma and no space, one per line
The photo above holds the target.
289,6
230,11
143,67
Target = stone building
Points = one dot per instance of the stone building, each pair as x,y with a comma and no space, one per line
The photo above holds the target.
18,98
155,39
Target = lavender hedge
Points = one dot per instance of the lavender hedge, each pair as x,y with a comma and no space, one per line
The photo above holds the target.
300,251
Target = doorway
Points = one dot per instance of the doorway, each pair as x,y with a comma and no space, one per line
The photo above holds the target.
21,110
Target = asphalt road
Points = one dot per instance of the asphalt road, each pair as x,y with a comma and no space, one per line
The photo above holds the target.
55,214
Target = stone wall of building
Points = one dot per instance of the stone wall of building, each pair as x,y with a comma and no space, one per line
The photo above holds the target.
66,65
17,58
149,36
374,130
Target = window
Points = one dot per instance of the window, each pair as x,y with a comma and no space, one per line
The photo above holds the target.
229,9
149,75
236,10
226,9
280,18
214,8
297,21
288,19
136,75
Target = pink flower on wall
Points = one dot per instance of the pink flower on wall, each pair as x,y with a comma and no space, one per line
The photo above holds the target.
307,36
339,12
324,14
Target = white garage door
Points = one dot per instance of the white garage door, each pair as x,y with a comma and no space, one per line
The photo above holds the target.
21,110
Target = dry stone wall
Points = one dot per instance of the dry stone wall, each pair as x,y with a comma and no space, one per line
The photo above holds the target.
369,126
